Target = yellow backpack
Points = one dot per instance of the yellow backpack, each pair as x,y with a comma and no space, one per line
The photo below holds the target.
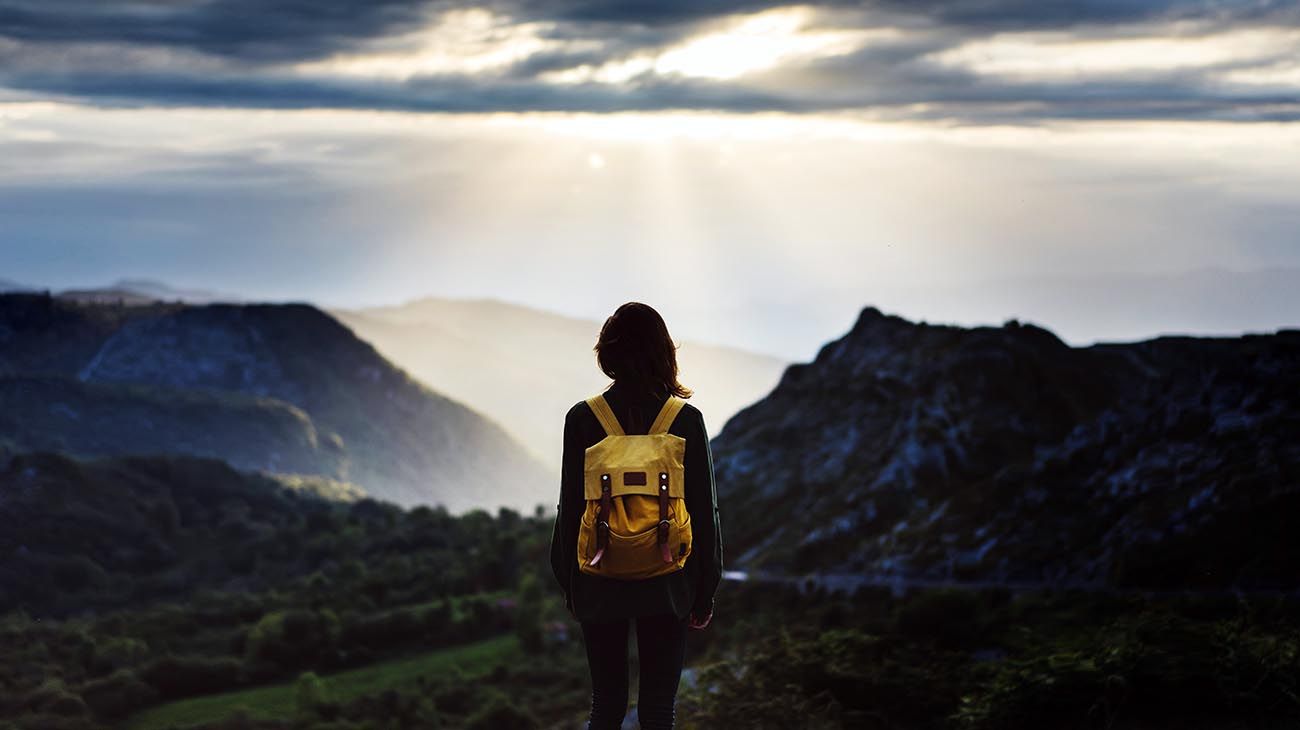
635,525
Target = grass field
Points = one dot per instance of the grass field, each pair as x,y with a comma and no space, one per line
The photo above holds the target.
274,701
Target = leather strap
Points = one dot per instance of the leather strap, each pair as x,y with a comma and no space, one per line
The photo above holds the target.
664,552
605,415
667,414
602,522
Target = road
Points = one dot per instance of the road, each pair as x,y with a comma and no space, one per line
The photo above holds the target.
898,585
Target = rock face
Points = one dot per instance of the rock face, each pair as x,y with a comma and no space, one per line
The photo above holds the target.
279,386
59,414
1002,454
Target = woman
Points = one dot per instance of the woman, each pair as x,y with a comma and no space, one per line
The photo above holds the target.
634,350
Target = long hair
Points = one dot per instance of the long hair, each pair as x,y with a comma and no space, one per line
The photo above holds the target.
634,348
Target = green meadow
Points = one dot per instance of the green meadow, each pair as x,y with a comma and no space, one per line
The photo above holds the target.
278,701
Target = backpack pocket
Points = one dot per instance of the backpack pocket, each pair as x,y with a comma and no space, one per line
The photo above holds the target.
636,555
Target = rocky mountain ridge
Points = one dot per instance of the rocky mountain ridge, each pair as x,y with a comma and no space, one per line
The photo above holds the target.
1003,454
284,386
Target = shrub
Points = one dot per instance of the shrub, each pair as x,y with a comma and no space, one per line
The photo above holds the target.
399,627
54,698
499,714
186,676
117,695
292,639
528,614
309,695
950,618
119,652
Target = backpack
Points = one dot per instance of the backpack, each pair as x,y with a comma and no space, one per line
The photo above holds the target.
635,525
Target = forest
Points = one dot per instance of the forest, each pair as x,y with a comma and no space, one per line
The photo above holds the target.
178,592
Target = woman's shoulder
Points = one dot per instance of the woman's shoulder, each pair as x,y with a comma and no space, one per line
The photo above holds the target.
691,411
578,410
690,417
580,413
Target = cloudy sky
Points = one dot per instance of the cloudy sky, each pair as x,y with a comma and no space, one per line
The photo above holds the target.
1111,169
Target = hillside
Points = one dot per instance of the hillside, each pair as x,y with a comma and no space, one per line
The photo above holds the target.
132,583
524,367
78,535
1002,454
373,425
67,415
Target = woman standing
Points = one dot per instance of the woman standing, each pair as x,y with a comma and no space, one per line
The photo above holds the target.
636,352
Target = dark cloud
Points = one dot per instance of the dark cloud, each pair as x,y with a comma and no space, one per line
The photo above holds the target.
985,14
641,12
233,52
449,94
251,30
976,102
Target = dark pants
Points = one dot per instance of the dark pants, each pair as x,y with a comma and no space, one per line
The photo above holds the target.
661,646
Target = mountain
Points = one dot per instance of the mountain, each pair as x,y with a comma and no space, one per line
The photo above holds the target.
279,386
167,293
129,292
139,292
51,413
1002,454
525,367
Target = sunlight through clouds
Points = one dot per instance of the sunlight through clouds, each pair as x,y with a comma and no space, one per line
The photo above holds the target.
669,126
1281,75
788,161
748,44
980,63
466,41
1057,55
761,41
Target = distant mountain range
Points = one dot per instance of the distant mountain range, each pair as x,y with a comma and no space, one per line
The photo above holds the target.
135,292
283,388
901,451
131,292
525,367
520,366
1002,454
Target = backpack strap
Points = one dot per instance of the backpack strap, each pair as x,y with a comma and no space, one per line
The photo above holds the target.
662,535
602,522
667,414
605,415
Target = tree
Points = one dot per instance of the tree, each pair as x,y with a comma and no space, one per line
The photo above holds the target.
528,614
309,695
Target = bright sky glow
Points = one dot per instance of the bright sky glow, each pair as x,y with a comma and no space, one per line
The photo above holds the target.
1107,169
466,41
1282,75
1055,55
750,43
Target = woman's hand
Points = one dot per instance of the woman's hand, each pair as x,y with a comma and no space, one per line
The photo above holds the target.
699,622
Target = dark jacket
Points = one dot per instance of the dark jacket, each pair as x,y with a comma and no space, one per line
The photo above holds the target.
596,598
